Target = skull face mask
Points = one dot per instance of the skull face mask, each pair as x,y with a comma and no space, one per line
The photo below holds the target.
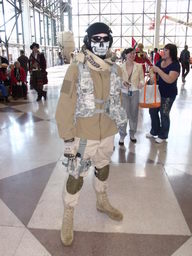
100,44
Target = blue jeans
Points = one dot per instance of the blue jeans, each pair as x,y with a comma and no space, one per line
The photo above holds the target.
3,90
160,124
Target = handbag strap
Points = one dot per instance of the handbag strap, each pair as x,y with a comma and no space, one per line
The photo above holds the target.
155,89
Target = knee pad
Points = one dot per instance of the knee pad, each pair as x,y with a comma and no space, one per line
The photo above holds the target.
74,185
103,173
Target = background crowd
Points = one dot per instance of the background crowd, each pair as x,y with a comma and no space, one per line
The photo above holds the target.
13,82
13,77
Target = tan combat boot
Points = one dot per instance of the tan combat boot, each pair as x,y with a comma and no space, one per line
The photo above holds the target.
103,205
67,226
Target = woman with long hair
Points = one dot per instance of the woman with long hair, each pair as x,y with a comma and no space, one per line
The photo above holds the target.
18,81
167,70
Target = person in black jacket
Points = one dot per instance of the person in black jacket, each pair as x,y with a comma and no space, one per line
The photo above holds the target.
24,62
185,62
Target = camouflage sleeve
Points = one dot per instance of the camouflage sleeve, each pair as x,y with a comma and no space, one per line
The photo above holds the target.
66,105
119,72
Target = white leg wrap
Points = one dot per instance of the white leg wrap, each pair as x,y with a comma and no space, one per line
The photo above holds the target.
100,186
71,200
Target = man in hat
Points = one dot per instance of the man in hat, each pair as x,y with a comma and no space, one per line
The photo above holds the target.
88,116
38,74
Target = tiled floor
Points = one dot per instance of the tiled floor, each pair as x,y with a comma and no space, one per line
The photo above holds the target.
150,183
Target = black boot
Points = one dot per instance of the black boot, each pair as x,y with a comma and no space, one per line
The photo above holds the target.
6,99
39,97
44,94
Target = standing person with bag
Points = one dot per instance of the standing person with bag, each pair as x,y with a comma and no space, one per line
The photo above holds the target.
133,80
167,70
88,116
38,73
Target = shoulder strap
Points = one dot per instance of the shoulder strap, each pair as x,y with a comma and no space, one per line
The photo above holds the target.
35,59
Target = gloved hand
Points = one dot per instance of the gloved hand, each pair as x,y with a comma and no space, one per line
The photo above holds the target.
69,148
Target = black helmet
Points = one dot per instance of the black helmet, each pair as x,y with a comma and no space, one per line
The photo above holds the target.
97,28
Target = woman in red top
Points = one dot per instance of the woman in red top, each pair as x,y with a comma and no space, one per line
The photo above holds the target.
141,57
18,81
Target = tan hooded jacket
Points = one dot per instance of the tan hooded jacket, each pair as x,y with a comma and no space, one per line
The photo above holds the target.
96,127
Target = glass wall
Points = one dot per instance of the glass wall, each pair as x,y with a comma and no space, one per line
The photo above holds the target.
10,29
135,18
127,19
42,28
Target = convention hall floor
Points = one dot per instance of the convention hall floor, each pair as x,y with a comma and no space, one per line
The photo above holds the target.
150,183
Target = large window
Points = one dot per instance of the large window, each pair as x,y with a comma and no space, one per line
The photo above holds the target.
17,34
135,18
127,19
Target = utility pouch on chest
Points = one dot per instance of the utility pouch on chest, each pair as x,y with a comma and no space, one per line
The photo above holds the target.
86,101
85,93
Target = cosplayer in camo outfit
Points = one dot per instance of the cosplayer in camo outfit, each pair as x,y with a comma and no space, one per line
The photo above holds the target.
88,116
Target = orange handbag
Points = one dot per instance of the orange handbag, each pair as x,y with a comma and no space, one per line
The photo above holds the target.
149,95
